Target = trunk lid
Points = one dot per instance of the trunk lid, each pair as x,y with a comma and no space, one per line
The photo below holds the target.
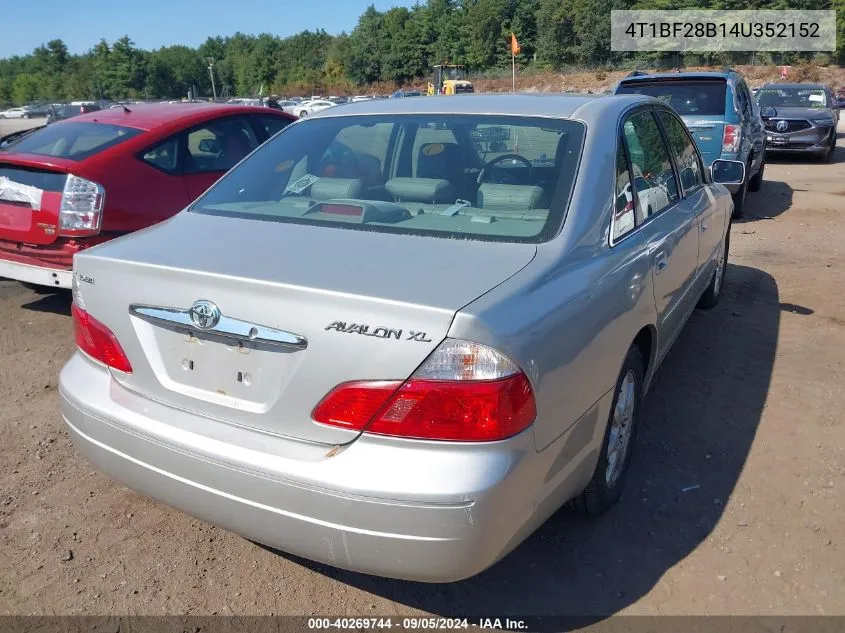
707,133
370,306
30,197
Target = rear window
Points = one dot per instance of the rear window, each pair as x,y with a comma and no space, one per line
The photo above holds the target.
457,176
74,141
695,98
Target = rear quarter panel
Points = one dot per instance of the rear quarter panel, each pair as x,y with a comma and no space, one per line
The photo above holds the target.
570,316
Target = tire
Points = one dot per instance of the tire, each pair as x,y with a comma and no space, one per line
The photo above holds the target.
757,181
2,116
607,484
303,114
713,292
25,116
739,200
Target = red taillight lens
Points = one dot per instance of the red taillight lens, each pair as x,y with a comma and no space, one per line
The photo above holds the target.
730,138
353,404
468,411
461,408
96,340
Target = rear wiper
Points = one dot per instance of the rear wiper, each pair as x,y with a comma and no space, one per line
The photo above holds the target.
5,141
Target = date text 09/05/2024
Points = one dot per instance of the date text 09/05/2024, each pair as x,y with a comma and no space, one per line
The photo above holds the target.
415,623
712,29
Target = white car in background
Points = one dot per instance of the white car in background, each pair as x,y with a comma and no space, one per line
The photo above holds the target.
15,113
650,194
310,107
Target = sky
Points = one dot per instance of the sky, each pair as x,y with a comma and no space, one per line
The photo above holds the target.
154,23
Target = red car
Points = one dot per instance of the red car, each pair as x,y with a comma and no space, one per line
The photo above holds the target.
76,183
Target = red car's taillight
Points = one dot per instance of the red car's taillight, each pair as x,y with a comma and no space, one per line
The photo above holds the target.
96,340
81,209
730,138
463,392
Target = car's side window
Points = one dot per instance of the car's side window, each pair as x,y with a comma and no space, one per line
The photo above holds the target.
271,124
650,164
219,145
686,158
624,216
165,155
741,97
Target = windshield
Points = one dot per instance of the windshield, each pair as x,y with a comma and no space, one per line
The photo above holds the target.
796,97
700,98
457,176
74,141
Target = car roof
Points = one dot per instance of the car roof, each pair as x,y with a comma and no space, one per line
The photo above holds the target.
794,84
557,106
693,74
148,116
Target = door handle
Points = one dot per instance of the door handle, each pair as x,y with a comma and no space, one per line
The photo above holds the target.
703,227
661,262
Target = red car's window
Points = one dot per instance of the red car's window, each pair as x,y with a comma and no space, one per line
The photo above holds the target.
211,147
74,141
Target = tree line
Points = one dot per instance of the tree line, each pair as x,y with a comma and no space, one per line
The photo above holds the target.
397,46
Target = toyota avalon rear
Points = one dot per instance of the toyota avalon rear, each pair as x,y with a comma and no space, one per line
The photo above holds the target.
279,358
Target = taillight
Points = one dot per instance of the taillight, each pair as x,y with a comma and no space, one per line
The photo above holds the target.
96,340
463,392
730,138
81,210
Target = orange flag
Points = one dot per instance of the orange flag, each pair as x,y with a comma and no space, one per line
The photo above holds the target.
514,45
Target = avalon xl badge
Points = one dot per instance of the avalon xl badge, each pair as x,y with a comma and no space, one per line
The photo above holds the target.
204,314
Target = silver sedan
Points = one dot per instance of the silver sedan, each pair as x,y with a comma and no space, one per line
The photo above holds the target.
401,334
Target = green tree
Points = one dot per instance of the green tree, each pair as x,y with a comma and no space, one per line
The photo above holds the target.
26,88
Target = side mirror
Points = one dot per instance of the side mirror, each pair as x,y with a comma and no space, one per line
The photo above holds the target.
727,172
208,146
768,112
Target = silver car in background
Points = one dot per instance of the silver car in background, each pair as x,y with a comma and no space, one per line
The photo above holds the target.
402,333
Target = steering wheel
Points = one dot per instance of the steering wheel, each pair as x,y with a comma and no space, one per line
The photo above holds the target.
500,159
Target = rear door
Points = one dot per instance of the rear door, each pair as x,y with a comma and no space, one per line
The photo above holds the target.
671,229
711,216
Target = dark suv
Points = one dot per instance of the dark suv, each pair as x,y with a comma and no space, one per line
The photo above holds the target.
719,111
799,118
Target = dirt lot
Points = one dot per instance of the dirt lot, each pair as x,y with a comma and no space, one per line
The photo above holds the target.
735,505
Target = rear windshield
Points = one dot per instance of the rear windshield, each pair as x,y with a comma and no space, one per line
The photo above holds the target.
457,176
797,97
699,97
74,141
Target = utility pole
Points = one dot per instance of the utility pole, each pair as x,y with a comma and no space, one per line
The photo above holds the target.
211,74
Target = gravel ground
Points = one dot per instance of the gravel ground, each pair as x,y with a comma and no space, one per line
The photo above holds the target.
734,506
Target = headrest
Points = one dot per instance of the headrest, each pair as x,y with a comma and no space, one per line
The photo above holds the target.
439,160
333,188
432,190
509,197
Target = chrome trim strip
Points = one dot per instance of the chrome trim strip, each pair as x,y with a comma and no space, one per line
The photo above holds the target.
227,327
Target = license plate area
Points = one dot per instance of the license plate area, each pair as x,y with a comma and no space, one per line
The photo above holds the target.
777,140
219,370
16,216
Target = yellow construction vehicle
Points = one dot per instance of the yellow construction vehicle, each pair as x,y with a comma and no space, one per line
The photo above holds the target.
449,79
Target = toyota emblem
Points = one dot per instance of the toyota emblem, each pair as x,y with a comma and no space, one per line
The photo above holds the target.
204,314
782,126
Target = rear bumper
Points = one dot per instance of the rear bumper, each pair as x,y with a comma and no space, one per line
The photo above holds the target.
425,511
34,274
